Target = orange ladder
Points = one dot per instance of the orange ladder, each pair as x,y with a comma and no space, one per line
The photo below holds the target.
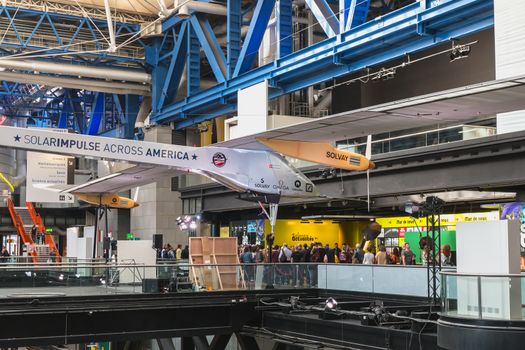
37,220
19,226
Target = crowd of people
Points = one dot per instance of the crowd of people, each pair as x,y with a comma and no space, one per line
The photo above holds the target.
177,254
319,253
288,269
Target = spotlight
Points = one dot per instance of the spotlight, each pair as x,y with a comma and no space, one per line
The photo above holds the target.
187,218
102,281
333,172
459,52
61,277
384,74
198,217
325,173
193,225
330,304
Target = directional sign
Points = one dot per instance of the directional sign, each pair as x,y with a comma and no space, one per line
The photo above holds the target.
45,170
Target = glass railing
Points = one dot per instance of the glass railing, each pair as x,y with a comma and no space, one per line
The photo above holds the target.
79,279
487,297
423,139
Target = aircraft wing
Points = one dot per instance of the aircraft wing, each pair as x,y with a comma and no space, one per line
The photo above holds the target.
134,176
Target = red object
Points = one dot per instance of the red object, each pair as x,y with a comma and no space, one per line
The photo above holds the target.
37,220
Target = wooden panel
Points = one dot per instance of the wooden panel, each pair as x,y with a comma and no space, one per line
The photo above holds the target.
215,251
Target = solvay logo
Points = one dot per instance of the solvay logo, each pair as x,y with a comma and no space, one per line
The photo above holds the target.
219,159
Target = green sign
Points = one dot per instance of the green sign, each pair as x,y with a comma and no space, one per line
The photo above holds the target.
49,230
130,236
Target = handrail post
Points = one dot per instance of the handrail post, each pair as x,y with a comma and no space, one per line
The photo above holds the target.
479,298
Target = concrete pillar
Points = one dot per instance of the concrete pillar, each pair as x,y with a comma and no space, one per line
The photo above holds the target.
159,205
509,37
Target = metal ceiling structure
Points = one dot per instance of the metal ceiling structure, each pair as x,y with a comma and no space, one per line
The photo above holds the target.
196,55
351,44
58,69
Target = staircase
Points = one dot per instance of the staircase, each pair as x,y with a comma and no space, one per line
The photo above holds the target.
50,246
26,219
21,228
23,219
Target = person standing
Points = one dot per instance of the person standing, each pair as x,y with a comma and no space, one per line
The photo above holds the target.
368,258
4,256
178,252
185,254
407,256
358,256
337,253
343,255
382,256
247,259
446,255
330,255
394,256
34,233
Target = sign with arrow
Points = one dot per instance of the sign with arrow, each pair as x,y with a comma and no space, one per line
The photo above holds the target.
45,170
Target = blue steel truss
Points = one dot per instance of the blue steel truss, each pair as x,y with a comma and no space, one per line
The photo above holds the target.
84,111
352,44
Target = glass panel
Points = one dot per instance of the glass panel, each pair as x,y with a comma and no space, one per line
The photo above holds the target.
467,300
501,298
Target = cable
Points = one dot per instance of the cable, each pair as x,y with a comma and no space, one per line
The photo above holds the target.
404,64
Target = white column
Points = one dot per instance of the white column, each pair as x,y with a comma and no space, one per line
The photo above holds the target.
159,206
509,36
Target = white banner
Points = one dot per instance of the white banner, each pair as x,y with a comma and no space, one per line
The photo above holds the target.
45,170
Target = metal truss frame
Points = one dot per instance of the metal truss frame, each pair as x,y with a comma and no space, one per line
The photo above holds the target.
74,10
31,30
415,27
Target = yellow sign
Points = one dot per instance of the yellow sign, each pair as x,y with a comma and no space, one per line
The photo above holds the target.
224,231
295,232
445,220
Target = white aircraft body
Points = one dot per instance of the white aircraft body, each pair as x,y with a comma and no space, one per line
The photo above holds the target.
258,172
